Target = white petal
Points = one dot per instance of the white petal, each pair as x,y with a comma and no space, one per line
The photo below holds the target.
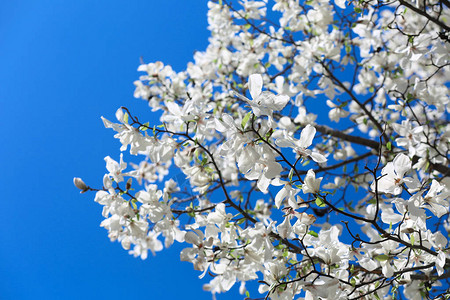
307,136
280,102
273,169
317,157
119,115
263,183
388,216
255,83
173,108
331,104
440,263
340,3
279,82
281,195
228,120
387,269
284,143
192,238
220,126
402,164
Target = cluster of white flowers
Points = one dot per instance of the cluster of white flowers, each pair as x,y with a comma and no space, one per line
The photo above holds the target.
358,210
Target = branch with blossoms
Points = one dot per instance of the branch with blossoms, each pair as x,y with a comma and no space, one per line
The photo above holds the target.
303,155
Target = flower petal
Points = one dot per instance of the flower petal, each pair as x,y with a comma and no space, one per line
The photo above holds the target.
307,136
317,157
255,83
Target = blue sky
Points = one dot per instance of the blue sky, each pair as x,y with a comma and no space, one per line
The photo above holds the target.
63,65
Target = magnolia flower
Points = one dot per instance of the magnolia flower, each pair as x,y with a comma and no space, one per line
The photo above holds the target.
219,216
391,179
263,103
300,146
337,112
312,184
287,192
115,169
436,200
127,134
79,183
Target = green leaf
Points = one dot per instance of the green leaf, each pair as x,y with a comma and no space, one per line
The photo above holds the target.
353,282
291,173
389,146
133,203
319,202
382,257
209,169
190,212
245,119
358,10
247,294
348,48
313,233
240,221
145,126
269,134
247,26
409,97
376,296
125,118
412,239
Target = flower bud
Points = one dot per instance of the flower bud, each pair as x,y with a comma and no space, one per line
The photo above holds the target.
128,186
79,183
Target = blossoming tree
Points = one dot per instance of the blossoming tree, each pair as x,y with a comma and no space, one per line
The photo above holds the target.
306,150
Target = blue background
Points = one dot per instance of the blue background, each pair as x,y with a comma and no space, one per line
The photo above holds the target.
63,65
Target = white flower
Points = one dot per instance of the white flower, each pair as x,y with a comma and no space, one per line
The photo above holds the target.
219,216
336,112
263,103
436,199
115,169
300,146
79,183
312,185
392,174
287,192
